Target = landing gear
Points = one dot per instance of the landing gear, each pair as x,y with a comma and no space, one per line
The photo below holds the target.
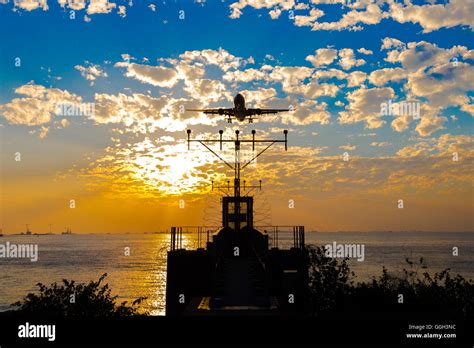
250,120
229,120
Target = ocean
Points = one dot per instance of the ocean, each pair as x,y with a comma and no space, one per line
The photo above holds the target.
136,263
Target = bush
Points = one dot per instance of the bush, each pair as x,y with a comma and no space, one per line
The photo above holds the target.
332,289
329,281
79,300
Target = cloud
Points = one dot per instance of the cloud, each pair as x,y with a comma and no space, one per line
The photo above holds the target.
122,11
358,14
420,55
91,72
435,16
365,106
314,89
443,146
258,96
307,112
100,6
30,5
38,106
347,59
430,124
352,20
382,76
348,147
323,56
330,73
154,75
313,16
275,6
245,75
380,143
365,51
206,90
356,78
388,43
222,58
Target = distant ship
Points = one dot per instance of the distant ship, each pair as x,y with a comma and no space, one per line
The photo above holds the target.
68,231
28,232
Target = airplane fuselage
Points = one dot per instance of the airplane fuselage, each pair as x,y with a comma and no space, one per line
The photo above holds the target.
240,112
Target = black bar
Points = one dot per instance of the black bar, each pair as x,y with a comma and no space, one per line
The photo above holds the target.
137,331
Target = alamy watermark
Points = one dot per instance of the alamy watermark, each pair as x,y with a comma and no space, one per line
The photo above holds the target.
37,331
402,108
75,109
19,251
352,251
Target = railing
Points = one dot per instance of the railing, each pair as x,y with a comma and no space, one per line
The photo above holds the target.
199,236
284,236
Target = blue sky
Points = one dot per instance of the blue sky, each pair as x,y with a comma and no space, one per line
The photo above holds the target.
50,39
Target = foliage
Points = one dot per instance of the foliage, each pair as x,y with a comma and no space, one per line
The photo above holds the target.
79,300
332,288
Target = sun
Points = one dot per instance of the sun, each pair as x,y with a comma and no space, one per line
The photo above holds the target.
171,168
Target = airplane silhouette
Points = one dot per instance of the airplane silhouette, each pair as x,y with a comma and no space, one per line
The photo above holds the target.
239,111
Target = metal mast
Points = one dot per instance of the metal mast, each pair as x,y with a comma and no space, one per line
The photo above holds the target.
238,166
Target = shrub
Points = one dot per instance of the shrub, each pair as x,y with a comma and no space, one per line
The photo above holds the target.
80,300
332,288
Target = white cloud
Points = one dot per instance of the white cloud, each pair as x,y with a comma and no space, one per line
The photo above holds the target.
365,106
323,56
435,16
290,76
307,112
348,147
382,76
205,89
380,143
154,75
352,20
91,72
245,75
30,5
388,43
221,58
305,20
100,6
365,51
430,16
347,59
356,78
38,105
122,11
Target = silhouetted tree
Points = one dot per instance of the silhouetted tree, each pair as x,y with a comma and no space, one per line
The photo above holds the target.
80,300
332,288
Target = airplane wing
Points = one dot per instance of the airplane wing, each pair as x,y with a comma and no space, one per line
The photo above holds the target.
251,112
220,111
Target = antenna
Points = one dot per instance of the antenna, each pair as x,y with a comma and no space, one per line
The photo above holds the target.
237,166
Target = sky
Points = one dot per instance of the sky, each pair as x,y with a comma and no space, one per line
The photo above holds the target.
380,136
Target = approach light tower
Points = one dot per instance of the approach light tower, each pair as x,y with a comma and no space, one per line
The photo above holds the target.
238,165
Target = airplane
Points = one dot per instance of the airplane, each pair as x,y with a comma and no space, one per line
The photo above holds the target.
239,111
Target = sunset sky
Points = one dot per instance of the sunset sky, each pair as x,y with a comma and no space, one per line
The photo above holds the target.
126,165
